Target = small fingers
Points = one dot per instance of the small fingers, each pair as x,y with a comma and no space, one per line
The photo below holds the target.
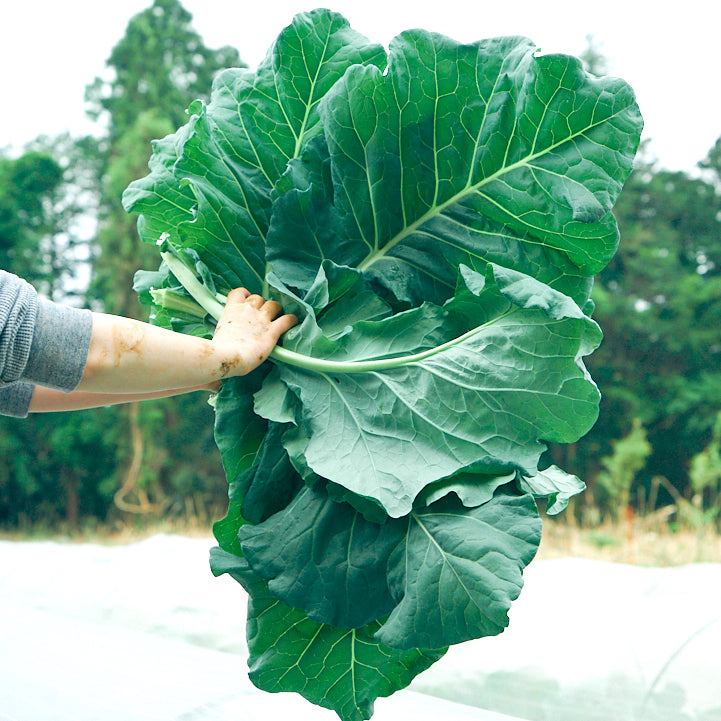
238,294
272,308
255,300
285,322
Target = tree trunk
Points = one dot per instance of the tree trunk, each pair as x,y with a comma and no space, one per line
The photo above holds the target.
72,498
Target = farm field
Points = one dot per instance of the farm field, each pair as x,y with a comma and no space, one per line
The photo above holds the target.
140,629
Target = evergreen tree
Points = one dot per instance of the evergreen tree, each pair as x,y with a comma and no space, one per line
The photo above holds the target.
157,69
120,252
659,304
29,186
161,64
51,466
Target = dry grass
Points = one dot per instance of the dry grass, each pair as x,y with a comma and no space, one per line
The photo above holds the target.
646,541
118,532
637,541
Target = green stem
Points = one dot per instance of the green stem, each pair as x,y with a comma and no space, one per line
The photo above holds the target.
172,301
318,365
186,278
321,365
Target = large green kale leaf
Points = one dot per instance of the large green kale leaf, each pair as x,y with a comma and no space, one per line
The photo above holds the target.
442,575
338,668
459,154
395,404
210,184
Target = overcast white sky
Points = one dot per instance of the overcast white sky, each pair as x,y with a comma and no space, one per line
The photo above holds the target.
49,52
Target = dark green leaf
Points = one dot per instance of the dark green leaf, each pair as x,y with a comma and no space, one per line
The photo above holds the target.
239,435
341,669
324,557
210,185
456,570
445,573
462,154
272,482
487,399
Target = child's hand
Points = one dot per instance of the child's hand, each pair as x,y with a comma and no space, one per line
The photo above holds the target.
128,357
248,331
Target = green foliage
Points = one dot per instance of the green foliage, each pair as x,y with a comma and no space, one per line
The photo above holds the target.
158,68
434,218
657,300
53,467
63,470
421,571
659,303
119,246
621,468
231,175
705,472
342,669
29,187
463,357
160,65
60,469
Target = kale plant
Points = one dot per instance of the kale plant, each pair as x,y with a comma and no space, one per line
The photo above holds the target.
434,215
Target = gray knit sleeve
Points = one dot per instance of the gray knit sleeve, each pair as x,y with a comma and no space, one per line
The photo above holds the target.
15,399
18,313
60,346
41,343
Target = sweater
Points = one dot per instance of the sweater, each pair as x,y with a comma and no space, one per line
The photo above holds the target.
41,343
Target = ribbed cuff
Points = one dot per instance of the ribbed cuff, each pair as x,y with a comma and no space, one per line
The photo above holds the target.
60,346
18,312
15,399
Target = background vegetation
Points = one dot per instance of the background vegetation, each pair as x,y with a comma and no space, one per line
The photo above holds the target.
655,452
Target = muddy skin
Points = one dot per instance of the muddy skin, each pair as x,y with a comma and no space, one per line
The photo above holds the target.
227,366
124,343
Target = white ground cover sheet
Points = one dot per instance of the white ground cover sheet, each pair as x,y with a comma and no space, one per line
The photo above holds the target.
143,632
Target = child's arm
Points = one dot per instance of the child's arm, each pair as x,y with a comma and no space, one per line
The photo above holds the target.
132,360
46,400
